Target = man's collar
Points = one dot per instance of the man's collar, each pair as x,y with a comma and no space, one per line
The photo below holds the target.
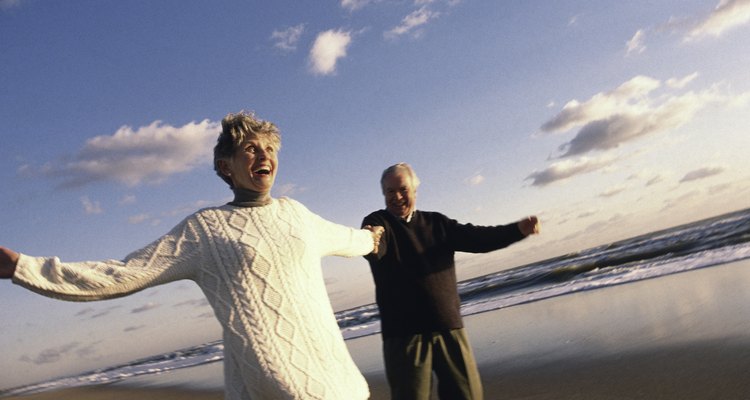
408,217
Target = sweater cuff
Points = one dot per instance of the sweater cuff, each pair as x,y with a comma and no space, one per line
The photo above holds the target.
20,272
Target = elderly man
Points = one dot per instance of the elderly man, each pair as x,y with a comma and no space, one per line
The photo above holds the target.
257,260
415,280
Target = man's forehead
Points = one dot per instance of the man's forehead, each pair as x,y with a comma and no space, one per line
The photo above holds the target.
397,179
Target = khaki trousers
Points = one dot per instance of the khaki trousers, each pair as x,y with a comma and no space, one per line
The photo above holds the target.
410,362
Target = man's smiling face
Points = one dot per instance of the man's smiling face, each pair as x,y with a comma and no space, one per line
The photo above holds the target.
254,164
400,194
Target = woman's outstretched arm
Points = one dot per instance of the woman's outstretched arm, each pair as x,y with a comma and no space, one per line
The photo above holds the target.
8,261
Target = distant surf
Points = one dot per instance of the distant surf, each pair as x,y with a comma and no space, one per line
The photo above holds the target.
710,242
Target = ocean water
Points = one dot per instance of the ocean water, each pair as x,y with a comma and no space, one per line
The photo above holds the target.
703,244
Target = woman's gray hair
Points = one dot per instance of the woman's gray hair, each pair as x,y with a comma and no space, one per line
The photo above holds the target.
235,129
396,168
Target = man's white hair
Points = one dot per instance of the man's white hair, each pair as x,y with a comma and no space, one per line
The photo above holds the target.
396,168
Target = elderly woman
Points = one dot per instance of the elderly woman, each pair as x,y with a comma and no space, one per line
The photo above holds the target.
257,259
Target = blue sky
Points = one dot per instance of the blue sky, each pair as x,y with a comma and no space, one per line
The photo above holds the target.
606,119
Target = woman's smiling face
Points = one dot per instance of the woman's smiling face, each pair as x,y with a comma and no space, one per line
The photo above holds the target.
253,165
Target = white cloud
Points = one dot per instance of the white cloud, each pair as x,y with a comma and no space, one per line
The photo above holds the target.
287,189
93,313
629,112
682,201
147,154
133,328
51,355
702,173
6,4
721,188
195,303
475,180
328,48
634,110
610,133
677,83
288,38
601,105
635,44
354,5
613,191
587,213
411,22
740,100
127,199
91,207
654,180
85,311
649,177
573,21
727,15
561,170
137,219
146,307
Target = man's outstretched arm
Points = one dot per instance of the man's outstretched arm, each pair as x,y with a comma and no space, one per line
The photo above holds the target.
529,226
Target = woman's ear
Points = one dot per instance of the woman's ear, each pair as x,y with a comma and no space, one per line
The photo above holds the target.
224,167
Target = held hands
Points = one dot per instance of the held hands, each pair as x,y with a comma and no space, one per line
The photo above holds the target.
529,225
8,261
377,232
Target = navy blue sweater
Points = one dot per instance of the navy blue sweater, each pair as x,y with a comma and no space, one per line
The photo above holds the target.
414,269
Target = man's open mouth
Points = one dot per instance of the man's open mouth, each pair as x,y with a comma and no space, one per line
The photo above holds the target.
262,171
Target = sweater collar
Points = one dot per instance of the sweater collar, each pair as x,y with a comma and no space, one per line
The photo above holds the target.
406,219
250,198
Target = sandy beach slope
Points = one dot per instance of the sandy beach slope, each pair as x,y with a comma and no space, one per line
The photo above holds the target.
684,336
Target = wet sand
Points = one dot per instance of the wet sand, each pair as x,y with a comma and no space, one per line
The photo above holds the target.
684,336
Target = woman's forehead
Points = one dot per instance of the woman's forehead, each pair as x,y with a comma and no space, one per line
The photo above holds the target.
255,138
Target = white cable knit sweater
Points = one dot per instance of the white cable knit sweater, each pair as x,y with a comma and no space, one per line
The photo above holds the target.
260,269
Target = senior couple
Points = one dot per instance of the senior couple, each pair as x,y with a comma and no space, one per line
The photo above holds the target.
257,260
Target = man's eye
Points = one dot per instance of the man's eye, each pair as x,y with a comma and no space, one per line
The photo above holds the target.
250,149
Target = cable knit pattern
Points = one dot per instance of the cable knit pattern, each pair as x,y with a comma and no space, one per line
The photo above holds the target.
259,268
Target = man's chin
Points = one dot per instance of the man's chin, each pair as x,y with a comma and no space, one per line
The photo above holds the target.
399,212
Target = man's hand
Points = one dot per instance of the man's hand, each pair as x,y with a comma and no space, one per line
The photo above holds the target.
529,226
8,261
377,232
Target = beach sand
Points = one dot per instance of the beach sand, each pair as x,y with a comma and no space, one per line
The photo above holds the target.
684,336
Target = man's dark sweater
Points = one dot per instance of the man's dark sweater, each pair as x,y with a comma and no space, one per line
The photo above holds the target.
414,269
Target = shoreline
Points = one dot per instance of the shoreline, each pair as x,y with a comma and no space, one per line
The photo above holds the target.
683,336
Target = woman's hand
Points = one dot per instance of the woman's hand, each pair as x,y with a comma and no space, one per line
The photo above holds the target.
8,261
377,232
